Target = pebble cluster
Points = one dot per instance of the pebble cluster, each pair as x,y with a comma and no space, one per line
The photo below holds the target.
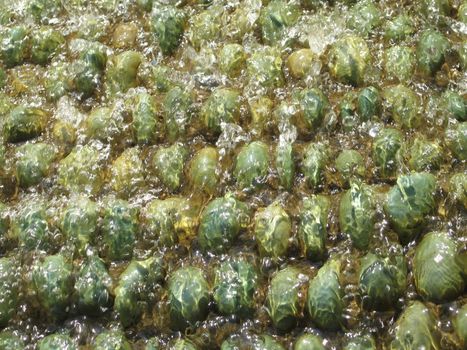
214,174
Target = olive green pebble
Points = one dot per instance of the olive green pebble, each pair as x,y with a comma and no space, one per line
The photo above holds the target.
121,71
365,342
456,140
364,17
314,164
408,202
285,164
111,340
460,324
264,68
205,26
273,229
93,286
220,224
177,112
223,106
168,163
283,298
399,28
56,82
81,170
43,11
136,283
9,290
34,162
52,281
300,63
309,342
382,280
350,165
252,165
44,44
10,341
313,107
15,43
57,341
232,59
455,104
88,71
274,20
168,24
103,124
312,229
325,304
79,222
119,229
127,172
386,152
439,270
237,25
259,138
369,103
188,297
235,286
431,51
24,123
403,106
425,155
415,329
64,134
347,107
124,35
160,218
160,78
204,170
92,26
348,60
30,227
400,63
357,214
458,188
145,122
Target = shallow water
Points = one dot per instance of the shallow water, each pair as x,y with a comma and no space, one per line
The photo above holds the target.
197,70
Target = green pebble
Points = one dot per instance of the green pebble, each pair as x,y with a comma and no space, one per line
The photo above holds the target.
188,297
34,163
408,202
24,123
252,165
312,229
432,49
273,229
168,163
9,290
52,279
119,229
357,214
93,286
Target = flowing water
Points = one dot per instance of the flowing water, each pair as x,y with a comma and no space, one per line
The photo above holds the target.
196,69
